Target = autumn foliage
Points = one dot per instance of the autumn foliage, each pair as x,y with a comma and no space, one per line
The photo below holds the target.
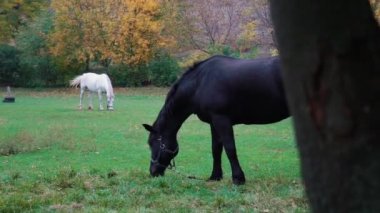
15,13
121,31
376,8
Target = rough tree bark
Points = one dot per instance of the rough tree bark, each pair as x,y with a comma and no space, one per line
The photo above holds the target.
330,52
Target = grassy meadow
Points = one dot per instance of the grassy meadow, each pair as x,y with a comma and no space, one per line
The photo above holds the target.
56,158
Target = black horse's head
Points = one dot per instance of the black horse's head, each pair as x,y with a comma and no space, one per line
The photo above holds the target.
163,150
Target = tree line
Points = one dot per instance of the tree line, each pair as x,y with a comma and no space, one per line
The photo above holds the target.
47,42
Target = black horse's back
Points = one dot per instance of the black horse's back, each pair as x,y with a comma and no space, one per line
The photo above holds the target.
248,91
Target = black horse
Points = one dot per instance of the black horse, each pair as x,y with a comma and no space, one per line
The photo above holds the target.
221,91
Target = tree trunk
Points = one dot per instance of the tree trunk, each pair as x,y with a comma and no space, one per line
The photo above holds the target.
330,52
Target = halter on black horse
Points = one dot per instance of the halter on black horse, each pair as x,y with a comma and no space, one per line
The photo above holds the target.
164,149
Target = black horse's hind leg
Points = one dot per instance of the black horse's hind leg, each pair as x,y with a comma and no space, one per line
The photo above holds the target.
225,134
217,148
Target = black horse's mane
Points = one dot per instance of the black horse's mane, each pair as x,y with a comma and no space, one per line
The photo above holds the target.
184,77
167,108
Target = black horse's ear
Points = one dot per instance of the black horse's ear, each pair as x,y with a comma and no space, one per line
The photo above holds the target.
149,128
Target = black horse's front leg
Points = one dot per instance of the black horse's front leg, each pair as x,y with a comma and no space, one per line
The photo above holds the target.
217,148
225,135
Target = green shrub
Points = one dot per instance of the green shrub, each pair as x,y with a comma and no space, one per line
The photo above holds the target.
226,50
161,71
164,70
9,65
124,75
35,61
117,75
137,76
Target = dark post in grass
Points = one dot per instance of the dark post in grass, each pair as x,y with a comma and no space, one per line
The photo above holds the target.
9,98
330,52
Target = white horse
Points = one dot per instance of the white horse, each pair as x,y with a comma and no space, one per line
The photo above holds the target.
94,83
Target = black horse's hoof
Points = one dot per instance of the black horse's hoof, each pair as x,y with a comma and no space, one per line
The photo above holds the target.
215,178
238,181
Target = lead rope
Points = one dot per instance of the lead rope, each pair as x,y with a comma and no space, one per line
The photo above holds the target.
172,167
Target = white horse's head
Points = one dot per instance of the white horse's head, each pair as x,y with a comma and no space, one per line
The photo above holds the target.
110,99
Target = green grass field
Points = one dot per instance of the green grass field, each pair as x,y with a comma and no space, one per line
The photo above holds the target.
55,158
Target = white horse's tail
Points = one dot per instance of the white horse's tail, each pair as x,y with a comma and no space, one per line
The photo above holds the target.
76,81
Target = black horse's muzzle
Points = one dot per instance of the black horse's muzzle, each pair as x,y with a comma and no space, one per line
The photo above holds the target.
156,167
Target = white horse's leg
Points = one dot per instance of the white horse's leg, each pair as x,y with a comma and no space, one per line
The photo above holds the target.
90,107
100,99
81,98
